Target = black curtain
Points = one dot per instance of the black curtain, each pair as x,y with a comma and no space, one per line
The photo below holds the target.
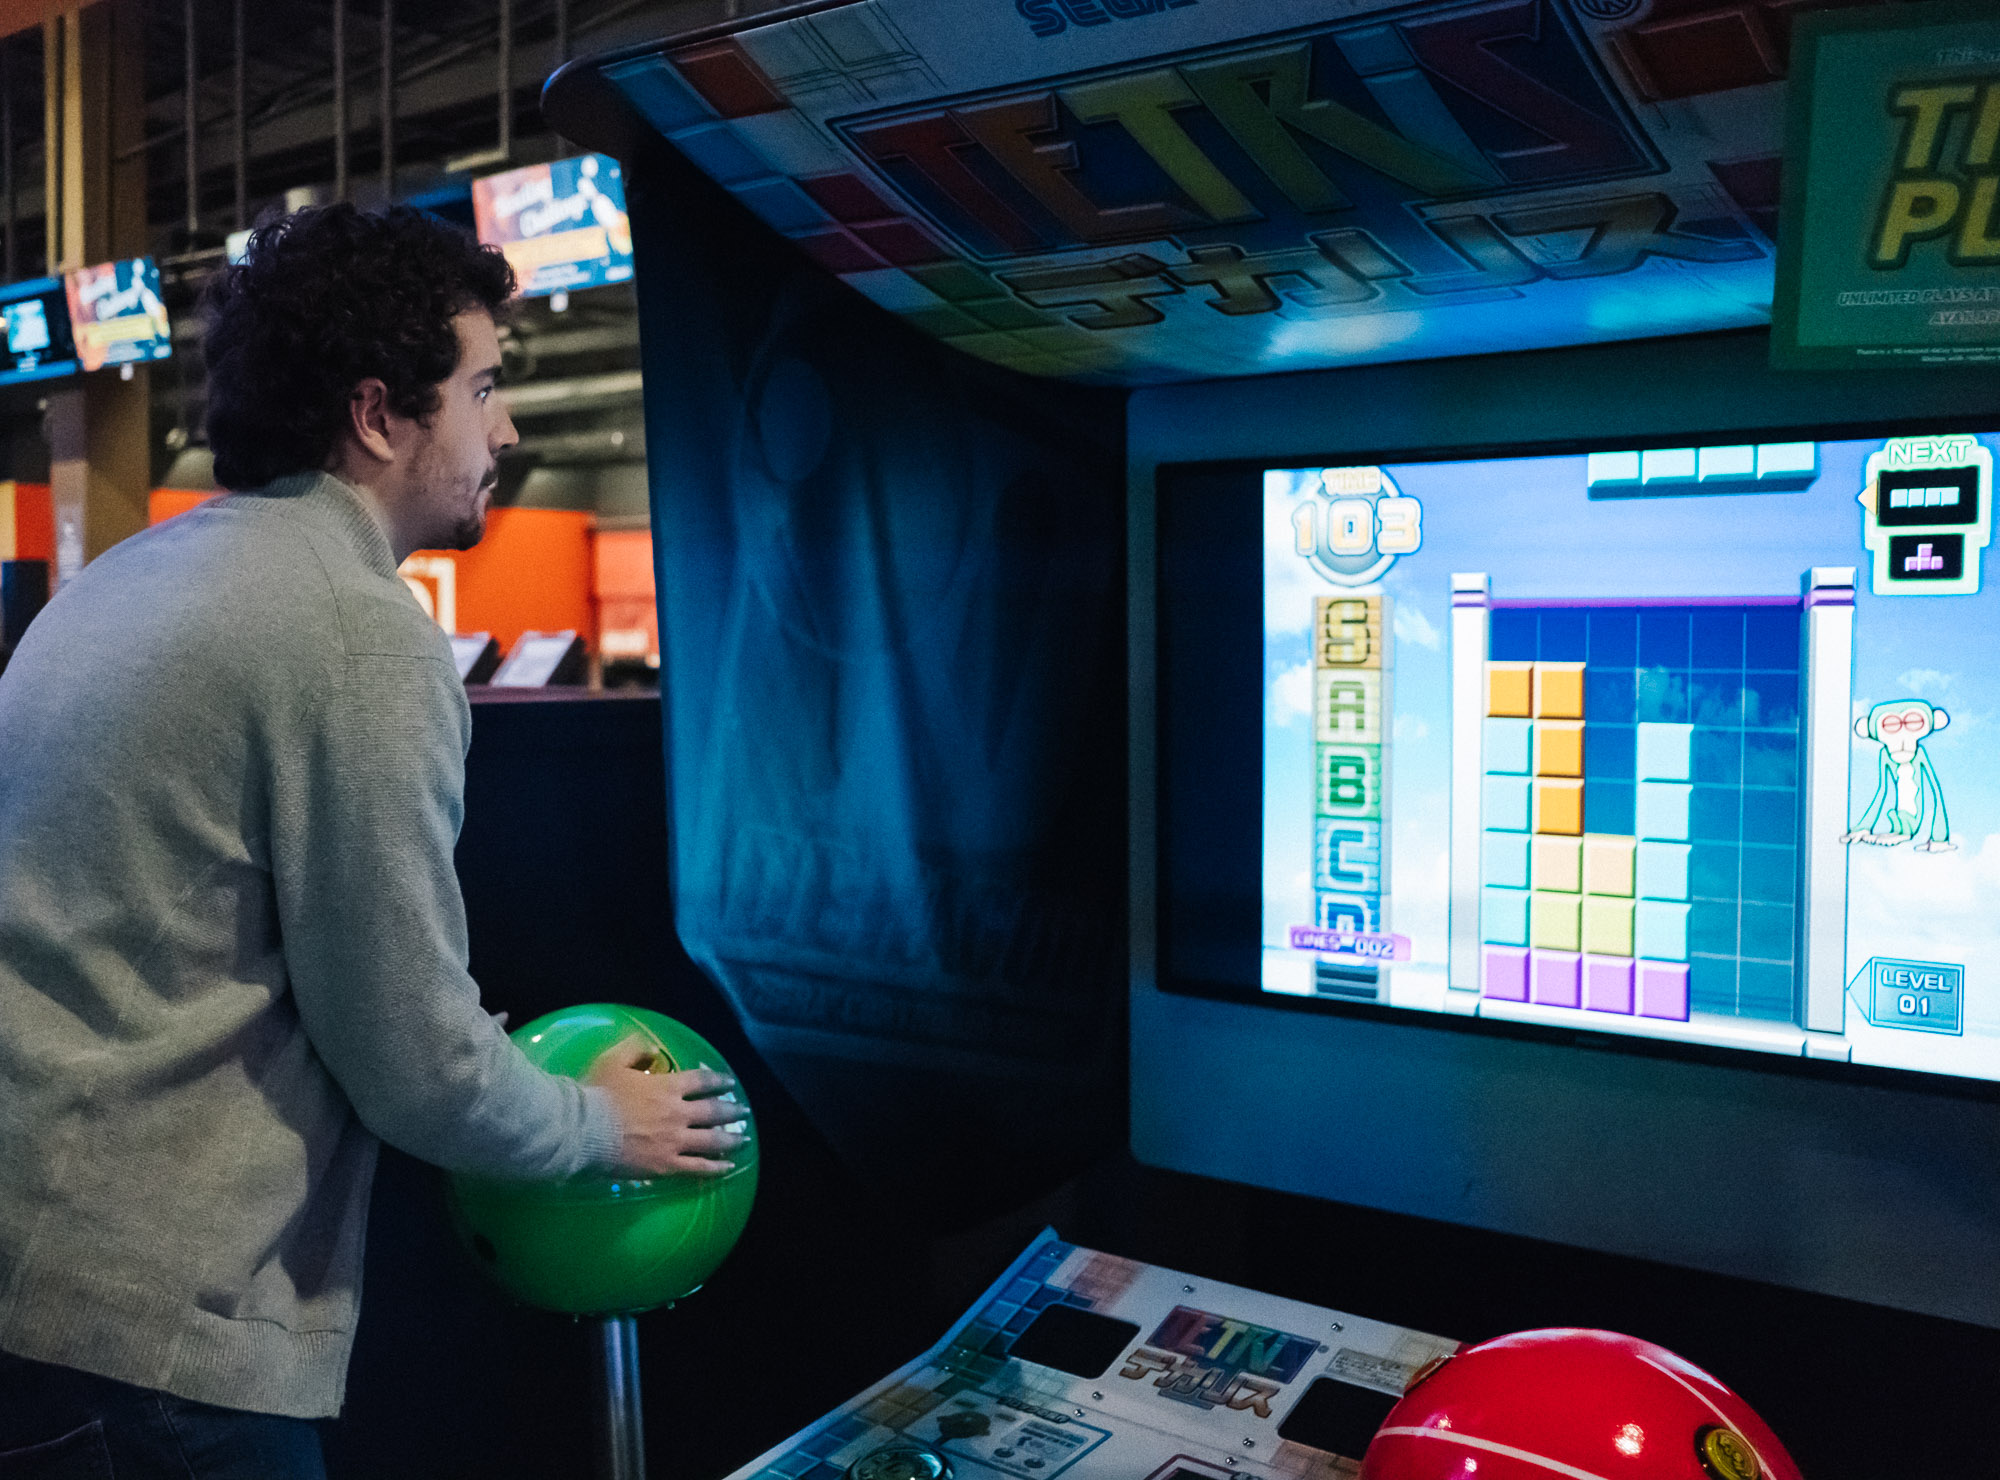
892,642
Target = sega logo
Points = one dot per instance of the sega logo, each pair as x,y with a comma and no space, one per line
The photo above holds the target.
1053,17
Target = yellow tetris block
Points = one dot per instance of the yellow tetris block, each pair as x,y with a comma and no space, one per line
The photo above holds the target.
1554,921
1558,747
1510,690
1559,806
1558,865
1347,632
1607,926
1559,691
1607,864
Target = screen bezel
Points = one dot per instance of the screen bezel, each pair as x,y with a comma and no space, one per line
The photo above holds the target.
1167,474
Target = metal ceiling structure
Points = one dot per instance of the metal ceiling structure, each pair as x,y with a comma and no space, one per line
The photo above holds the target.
256,105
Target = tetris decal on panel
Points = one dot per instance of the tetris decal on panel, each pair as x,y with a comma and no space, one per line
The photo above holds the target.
1213,1361
1686,744
1152,190
1209,1394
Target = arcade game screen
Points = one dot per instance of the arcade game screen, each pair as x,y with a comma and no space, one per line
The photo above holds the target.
562,224
35,318
1687,743
117,315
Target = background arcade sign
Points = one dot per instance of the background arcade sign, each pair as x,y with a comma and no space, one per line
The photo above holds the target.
1890,248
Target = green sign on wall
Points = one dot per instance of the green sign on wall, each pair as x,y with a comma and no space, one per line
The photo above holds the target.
1889,247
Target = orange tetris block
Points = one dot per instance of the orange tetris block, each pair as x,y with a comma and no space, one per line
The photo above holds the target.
1559,806
1510,689
1558,747
1559,691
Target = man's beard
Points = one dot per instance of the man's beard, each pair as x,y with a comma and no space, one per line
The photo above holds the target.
471,526
469,531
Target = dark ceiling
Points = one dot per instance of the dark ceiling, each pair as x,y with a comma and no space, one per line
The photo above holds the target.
574,374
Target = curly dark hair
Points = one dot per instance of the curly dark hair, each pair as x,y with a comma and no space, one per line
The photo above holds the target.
324,299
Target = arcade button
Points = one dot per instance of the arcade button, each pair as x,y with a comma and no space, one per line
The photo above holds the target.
1566,1403
602,1244
900,1462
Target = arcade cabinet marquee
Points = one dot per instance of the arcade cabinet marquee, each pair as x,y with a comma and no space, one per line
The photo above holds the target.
1149,193
1681,743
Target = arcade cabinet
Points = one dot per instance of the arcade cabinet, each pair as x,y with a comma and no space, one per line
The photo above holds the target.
1549,737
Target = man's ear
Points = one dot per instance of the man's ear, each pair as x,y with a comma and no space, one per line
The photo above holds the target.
1861,728
368,416
1939,719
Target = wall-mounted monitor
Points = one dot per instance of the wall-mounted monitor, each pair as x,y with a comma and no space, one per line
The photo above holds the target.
116,313
1682,745
561,224
35,318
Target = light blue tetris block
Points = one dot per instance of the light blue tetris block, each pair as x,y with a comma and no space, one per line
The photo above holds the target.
1665,751
1507,800
1503,917
1725,464
1510,746
1667,466
1660,930
1662,810
1504,860
1663,870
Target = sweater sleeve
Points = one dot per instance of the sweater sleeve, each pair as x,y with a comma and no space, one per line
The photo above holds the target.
365,813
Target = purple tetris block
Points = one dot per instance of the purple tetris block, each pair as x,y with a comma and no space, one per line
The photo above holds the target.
1663,990
1558,978
1607,983
1503,973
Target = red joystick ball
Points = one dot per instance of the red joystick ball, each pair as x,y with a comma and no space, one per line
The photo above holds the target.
1580,1405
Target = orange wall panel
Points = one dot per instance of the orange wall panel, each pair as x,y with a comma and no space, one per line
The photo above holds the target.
628,620
625,563
531,573
163,504
34,523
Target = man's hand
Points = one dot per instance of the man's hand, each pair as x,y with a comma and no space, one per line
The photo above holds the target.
674,1123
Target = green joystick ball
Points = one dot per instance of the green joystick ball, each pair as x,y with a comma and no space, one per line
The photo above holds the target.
597,1243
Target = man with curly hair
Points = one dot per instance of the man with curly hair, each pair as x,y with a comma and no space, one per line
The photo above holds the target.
232,947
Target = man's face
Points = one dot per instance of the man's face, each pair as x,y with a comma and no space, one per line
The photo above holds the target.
456,464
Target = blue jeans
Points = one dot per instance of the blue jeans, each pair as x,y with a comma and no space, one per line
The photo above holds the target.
60,1424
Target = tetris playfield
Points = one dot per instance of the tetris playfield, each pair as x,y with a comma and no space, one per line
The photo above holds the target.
1640,808
1089,1366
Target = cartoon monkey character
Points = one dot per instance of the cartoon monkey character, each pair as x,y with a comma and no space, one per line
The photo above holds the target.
1908,806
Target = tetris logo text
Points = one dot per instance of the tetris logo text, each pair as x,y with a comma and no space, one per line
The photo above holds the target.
1213,1361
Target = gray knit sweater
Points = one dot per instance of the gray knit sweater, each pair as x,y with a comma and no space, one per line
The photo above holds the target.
233,952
